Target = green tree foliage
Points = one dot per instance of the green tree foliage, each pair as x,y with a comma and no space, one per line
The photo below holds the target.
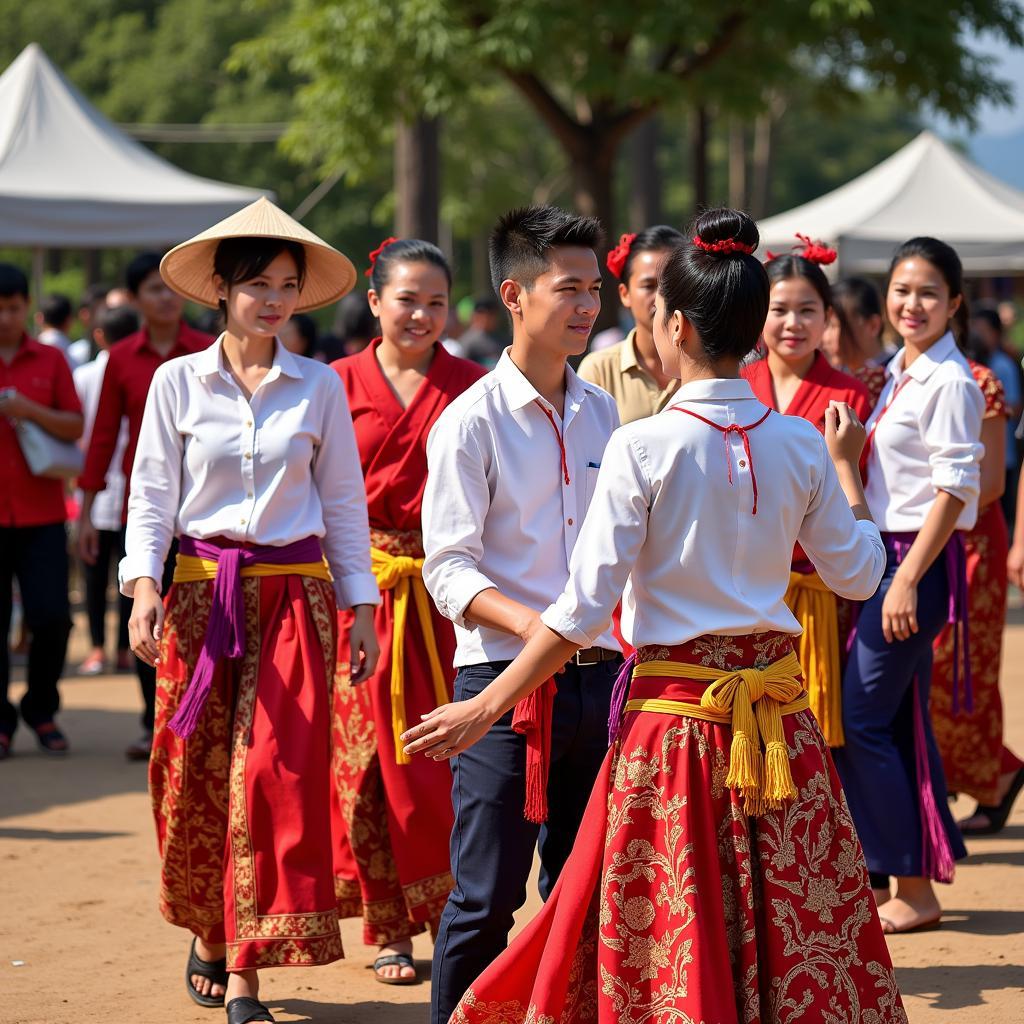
592,72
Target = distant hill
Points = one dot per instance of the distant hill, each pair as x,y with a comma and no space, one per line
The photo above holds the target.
1001,155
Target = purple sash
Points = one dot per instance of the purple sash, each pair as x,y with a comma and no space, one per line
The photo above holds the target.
225,630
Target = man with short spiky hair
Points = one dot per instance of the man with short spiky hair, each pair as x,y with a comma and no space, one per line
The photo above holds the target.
512,465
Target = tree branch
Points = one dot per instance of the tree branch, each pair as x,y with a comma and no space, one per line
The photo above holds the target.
563,125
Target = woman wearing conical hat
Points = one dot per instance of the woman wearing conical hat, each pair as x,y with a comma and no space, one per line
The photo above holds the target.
247,453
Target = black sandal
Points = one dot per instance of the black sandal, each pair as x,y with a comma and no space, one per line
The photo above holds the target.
997,813
215,970
395,960
245,1009
50,739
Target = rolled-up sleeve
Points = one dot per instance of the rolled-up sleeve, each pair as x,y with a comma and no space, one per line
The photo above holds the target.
951,428
455,504
847,552
610,539
155,487
339,482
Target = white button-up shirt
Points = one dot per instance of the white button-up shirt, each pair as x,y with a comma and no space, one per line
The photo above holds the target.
701,561
269,470
108,504
497,511
926,429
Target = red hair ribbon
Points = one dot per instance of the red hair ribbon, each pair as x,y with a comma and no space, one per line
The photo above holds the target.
817,252
616,259
813,252
376,252
726,246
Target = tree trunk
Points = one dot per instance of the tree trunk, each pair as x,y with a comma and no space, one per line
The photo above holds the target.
592,173
760,198
738,195
417,179
645,201
701,132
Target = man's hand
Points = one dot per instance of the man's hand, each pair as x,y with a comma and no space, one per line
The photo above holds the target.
363,647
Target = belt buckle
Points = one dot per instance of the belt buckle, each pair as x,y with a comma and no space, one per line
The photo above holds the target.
590,656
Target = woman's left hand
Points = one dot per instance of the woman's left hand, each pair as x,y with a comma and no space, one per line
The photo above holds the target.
363,647
14,405
448,730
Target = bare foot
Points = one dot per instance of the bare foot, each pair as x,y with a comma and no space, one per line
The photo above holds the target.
394,970
914,906
209,952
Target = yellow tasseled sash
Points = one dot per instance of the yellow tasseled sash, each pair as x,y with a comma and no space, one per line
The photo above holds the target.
403,575
189,569
752,701
814,606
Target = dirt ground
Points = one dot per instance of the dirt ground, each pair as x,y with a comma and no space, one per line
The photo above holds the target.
81,940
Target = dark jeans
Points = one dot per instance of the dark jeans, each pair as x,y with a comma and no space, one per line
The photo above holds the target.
146,673
97,578
492,844
876,765
37,556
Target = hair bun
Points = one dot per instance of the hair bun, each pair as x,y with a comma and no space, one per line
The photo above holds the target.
723,232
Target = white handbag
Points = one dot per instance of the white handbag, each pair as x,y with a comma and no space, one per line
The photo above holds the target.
47,455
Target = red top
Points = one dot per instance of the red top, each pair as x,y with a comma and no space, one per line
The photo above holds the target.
822,385
393,441
126,381
41,373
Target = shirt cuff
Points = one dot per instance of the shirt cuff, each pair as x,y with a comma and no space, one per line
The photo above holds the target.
459,594
555,618
963,483
134,567
356,588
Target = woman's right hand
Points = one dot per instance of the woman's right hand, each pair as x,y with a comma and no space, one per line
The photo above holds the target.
845,435
146,625
1015,566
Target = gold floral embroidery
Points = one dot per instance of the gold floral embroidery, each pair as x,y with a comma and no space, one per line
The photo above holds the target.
716,650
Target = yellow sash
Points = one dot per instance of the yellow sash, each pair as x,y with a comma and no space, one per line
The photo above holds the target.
752,701
189,569
814,606
403,574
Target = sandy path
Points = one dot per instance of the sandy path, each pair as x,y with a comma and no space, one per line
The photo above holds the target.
78,872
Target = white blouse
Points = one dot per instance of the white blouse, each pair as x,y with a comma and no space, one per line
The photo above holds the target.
926,429
701,561
270,470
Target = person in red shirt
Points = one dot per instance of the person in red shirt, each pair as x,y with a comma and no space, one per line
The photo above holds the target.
36,385
126,379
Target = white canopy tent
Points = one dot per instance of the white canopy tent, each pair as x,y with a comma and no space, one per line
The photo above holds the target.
69,178
926,188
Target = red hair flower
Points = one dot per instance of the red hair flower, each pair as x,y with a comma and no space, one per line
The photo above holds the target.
616,259
724,245
376,252
817,252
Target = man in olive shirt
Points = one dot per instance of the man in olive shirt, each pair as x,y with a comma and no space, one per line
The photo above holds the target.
631,371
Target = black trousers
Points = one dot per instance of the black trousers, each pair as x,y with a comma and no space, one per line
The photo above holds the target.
97,578
37,556
492,844
146,673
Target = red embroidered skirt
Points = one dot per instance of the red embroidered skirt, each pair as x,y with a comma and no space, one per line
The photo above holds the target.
971,743
675,906
242,806
393,821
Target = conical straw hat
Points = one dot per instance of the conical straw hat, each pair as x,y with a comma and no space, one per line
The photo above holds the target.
188,267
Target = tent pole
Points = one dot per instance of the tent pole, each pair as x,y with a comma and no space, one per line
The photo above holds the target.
38,261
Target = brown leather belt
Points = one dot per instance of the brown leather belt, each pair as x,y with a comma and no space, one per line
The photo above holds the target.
594,656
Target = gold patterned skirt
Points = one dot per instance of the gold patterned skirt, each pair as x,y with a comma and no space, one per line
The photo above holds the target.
242,806
676,905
